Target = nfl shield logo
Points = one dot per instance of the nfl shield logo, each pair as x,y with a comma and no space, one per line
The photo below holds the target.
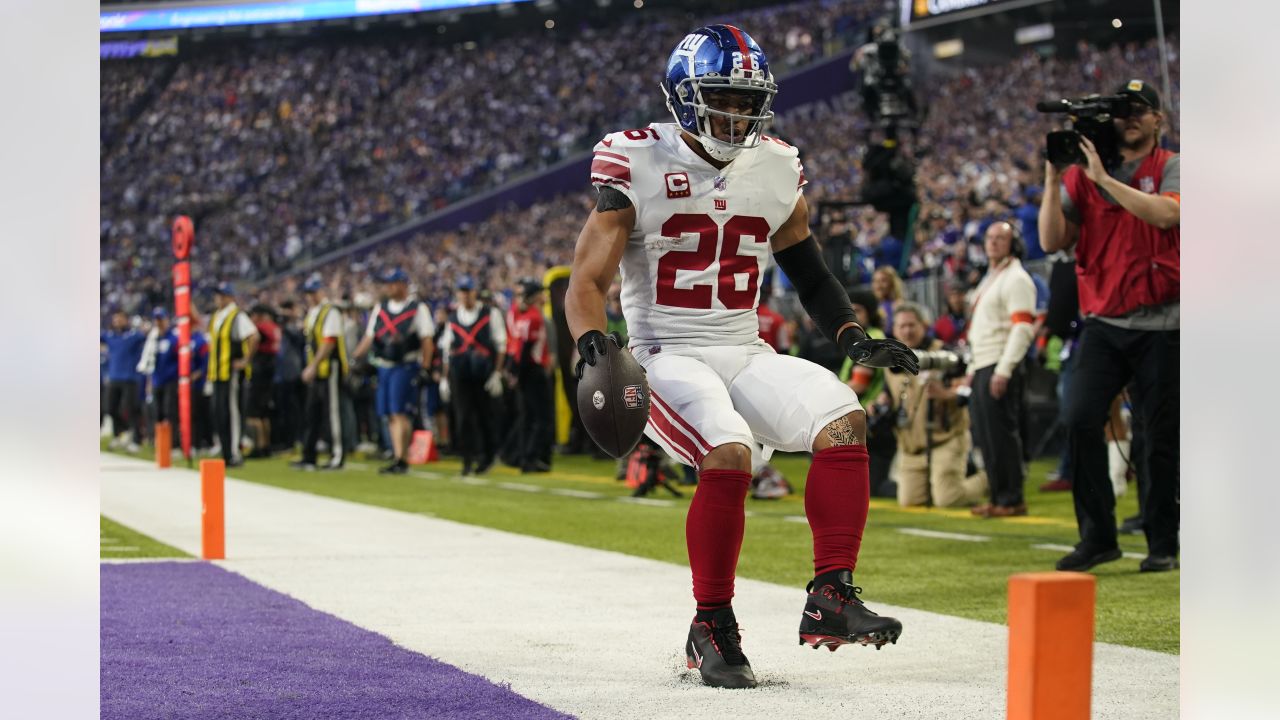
632,397
1147,184
720,184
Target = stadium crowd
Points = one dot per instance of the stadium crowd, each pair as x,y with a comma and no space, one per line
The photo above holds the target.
282,150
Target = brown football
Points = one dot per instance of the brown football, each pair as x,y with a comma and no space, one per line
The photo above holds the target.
613,401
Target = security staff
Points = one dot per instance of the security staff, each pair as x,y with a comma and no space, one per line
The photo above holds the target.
530,362
473,347
400,333
325,378
1125,225
233,340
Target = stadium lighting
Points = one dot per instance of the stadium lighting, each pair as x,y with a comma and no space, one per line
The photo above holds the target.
1116,23
638,4
549,24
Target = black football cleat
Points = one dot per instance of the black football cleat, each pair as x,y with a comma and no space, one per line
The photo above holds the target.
715,649
835,616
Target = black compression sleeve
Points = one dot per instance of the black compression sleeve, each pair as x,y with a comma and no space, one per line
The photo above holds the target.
821,294
611,199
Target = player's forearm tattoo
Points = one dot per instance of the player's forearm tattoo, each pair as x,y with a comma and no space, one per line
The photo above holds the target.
841,432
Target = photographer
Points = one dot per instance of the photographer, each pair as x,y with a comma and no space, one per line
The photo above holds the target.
999,335
1124,224
932,426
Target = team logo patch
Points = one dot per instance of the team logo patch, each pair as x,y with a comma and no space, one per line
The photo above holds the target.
632,397
1135,85
677,185
722,204
720,183
598,400
1147,184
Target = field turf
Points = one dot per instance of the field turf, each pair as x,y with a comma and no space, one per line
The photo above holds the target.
580,503
119,542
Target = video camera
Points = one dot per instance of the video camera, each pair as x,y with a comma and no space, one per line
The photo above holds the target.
1090,116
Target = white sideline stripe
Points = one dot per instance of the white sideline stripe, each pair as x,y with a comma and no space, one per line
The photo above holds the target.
107,541
569,492
1068,548
426,474
467,480
121,548
938,534
521,487
398,574
796,518
653,502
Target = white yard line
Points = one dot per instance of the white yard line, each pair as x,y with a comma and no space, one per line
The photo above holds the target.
521,487
939,535
593,633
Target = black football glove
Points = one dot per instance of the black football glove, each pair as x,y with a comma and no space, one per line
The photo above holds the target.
592,346
880,353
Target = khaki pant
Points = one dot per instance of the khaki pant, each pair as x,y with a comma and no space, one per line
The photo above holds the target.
948,485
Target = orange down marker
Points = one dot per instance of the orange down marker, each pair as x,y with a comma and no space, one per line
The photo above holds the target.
1050,645
212,527
164,444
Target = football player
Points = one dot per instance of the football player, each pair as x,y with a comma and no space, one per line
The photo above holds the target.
690,212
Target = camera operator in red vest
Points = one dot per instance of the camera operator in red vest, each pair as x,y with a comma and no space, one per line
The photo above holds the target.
1124,225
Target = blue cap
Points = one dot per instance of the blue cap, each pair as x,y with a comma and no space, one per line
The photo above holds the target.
466,282
159,313
225,288
395,275
313,284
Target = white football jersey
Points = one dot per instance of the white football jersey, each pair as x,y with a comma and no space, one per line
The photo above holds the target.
692,266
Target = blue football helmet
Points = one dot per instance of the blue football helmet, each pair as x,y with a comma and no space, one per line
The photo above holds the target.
720,59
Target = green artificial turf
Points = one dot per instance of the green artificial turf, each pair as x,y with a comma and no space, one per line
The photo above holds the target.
967,579
118,541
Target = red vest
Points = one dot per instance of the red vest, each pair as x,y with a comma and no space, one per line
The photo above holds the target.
527,328
1123,263
771,327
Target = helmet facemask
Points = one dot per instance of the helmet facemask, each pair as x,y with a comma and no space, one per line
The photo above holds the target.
741,130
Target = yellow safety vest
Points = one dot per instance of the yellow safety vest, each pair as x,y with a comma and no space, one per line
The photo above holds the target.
317,338
222,351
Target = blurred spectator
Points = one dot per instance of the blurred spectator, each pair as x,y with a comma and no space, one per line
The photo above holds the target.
999,335
951,326
325,378
159,365
869,384
290,394
474,347
262,378
400,333
233,341
773,327
932,426
529,361
124,349
887,287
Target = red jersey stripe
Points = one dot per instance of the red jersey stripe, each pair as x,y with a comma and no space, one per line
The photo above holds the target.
611,169
705,446
613,156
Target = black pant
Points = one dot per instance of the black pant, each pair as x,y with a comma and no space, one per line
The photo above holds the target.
533,425
324,415
228,397
286,424
997,432
122,405
473,431
1107,358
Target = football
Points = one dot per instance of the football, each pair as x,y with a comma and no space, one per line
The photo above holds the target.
613,401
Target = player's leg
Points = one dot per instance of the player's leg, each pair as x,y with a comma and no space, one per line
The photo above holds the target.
812,410
692,418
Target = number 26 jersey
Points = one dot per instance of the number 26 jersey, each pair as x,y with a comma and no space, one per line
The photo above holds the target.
691,269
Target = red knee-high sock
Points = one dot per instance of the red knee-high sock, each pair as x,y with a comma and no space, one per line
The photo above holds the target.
713,533
836,496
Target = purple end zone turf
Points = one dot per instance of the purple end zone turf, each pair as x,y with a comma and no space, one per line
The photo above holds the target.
191,640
